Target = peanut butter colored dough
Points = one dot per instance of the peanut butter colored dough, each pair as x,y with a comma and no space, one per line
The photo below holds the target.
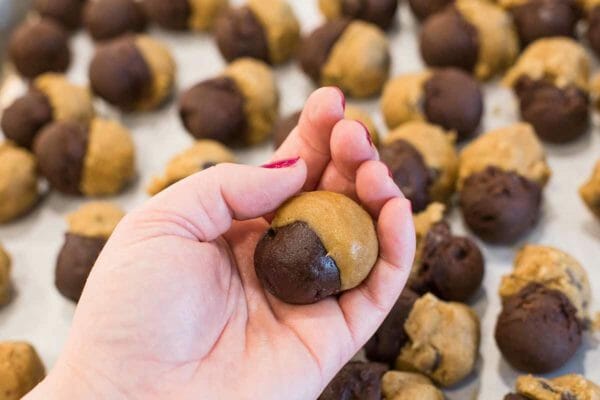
552,268
588,5
109,162
590,191
162,69
359,62
256,82
18,181
402,98
514,148
199,156
345,229
281,27
498,41
396,385
4,278
331,9
95,219
360,115
68,101
443,340
423,222
564,387
559,60
20,369
204,13
438,151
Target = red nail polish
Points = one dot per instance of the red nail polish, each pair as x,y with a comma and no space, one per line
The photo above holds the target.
342,96
281,163
369,139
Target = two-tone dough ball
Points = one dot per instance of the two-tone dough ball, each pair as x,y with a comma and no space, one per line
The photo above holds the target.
422,9
571,386
107,19
379,12
356,380
21,369
97,160
89,229
351,54
447,97
19,189
5,266
590,191
51,97
183,15
66,13
133,73
319,244
38,46
400,385
238,107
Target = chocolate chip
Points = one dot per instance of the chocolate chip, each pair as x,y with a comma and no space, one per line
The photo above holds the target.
169,14
378,12
107,19
23,119
239,34
66,13
424,8
536,19
284,127
356,381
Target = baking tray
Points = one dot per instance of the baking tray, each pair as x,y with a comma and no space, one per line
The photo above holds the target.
40,315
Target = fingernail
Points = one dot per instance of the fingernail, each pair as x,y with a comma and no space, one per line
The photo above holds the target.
369,139
281,163
342,96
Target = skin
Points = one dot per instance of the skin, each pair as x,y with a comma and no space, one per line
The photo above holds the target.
173,308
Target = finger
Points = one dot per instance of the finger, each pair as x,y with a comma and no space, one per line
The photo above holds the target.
374,197
310,140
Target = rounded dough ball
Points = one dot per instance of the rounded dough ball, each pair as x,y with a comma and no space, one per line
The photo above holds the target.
66,13
18,182
379,12
565,386
397,385
107,19
20,369
402,98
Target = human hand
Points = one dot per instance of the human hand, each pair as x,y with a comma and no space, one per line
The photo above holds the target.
173,308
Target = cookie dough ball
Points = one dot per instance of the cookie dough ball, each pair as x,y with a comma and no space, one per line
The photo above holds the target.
352,55
21,369
423,162
133,73
477,36
424,8
569,386
5,264
181,15
447,97
267,30
51,97
203,154
538,330
590,191
66,13
396,385
357,380
89,229
107,19
319,244
443,340
39,46
238,108
18,182
93,161
551,81
379,12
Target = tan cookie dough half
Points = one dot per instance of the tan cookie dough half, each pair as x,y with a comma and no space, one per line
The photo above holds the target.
590,191
423,222
202,154
397,385
95,220
552,268
203,13
20,369
331,9
162,69
5,265
402,98
18,182
564,387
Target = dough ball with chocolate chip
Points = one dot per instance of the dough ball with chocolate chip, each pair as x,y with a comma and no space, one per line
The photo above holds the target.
92,161
39,46
422,9
476,36
356,380
21,369
181,15
89,229
238,108
66,13
397,385
571,386
19,191
379,12
352,55
107,19
51,97
590,191
267,30
319,244
5,265
201,155
133,73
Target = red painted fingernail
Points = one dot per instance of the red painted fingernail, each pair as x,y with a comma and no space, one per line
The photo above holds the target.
369,139
342,96
281,163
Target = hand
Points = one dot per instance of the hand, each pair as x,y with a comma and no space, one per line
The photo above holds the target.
173,308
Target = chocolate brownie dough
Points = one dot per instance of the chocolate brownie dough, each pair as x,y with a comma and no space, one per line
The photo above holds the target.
107,19
590,191
5,266
180,15
356,381
66,13
397,385
19,190
569,386
379,12
21,369
593,26
422,9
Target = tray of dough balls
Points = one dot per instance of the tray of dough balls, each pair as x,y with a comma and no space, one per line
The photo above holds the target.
483,111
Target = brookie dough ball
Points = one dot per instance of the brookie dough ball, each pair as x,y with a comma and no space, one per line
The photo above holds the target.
238,108
133,73
352,55
379,12
447,97
89,229
180,15
590,191
477,36
51,97
107,19
570,386
39,46
422,9
20,369
319,244
357,380
94,161
201,155
18,182
5,265
264,29
64,12
396,385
